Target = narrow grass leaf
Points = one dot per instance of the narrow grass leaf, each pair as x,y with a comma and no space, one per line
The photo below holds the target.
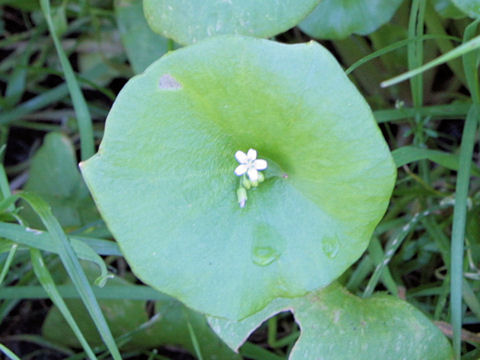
17,81
8,352
451,111
74,269
459,220
42,241
112,292
83,246
5,195
462,185
434,25
453,54
256,352
463,182
393,47
376,252
470,64
8,262
395,243
41,341
44,277
409,154
33,104
79,103
44,99
471,299
361,271
415,48
194,339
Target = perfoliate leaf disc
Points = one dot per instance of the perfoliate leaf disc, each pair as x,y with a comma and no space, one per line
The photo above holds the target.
188,21
164,174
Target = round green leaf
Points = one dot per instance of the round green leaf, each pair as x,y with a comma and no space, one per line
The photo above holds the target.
338,325
469,7
338,19
164,174
188,21
142,45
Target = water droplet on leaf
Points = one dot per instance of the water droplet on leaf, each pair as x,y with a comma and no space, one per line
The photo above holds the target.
330,246
268,245
264,255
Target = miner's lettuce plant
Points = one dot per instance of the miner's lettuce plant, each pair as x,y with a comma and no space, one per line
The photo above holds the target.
170,145
243,178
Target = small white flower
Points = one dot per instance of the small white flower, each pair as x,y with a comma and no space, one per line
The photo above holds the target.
249,164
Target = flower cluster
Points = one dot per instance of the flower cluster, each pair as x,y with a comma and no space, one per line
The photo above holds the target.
249,166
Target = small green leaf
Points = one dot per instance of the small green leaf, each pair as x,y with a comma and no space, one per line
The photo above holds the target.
164,175
55,177
338,325
188,21
142,45
469,7
338,19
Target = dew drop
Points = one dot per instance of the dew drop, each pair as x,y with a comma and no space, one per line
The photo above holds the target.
264,255
330,246
268,245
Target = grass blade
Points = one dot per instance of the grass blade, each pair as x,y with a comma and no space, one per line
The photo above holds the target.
461,192
453,111
41,240
434,24
74,269
415,48
453,54
44,99
43,275
193,337
79,103
112,292
458,230
8,262
8,352
408,154
393,47
395,243
258,353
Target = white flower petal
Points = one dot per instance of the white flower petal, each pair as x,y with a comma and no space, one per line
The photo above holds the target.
241,157
252,174
260,164
241,169
252,154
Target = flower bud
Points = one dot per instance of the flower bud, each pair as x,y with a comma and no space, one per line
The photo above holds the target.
242,196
